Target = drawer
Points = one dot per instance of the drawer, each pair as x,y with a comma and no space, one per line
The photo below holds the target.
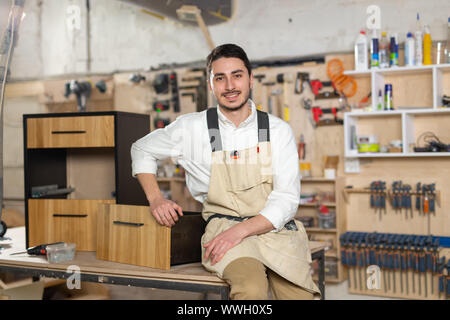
130,234
74,221
70,132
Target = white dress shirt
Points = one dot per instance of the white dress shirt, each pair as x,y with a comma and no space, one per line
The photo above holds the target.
186,141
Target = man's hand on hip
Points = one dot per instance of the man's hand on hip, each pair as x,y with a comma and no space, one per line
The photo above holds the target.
165,211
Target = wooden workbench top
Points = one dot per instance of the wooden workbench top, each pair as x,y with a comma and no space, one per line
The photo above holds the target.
88,263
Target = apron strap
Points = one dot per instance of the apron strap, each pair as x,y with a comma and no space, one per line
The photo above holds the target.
213,129
214,134
263,126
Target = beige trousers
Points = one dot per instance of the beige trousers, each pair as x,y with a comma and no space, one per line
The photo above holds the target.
249,279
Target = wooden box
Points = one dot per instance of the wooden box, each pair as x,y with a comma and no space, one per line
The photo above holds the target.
130,234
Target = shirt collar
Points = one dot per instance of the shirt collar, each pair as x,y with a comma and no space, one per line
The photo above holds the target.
224,120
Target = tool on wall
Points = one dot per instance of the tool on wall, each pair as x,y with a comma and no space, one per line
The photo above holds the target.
161,83
315,116
161,122
301,81
285,79
378,196
82,91
257,97
174,90
137,78
161,105
268,86
316,87
344,84
397,255
400,196
199,97
301,148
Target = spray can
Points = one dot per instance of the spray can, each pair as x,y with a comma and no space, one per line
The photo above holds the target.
388,97
409,50
393,56
419,43
427,46
361,52
396,47
375,62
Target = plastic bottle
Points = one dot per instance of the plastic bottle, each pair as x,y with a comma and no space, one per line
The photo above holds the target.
384,52
380,104
427,46
409,50
393,48
419,43
374,57
447,46
361,51
396,47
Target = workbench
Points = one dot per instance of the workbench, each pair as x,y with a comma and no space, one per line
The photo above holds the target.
187,277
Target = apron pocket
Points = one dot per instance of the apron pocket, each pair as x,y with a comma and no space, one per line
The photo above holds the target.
251,200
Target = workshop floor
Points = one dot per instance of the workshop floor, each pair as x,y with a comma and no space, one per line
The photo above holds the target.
333,292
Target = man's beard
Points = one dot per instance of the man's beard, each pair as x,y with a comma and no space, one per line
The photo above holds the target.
237,108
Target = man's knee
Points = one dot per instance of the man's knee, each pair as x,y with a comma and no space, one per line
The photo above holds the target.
247,279
249,290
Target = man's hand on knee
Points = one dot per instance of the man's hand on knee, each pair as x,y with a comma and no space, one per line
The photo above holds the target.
217,247
166,212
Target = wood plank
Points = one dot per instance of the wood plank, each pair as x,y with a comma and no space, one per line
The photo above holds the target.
24,89
44,227
146,243
70,132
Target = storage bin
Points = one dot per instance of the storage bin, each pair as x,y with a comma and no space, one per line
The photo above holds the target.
327,220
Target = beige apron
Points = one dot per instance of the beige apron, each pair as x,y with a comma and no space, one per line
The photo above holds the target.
240,183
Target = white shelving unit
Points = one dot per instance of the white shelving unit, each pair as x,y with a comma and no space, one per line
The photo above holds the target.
378,78
404,122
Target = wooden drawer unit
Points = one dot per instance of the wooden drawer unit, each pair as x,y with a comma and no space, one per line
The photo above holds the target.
74,221
70,132
130,234
79,160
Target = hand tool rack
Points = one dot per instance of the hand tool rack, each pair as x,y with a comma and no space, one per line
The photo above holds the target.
407,265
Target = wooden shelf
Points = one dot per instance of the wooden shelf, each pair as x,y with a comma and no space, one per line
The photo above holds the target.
398,70
409,120
317,179
320,230
317,204
327,279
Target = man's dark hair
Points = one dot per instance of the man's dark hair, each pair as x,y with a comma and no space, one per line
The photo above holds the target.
228,50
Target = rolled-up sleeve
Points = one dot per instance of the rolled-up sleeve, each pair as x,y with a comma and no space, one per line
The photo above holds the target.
282,203
158,145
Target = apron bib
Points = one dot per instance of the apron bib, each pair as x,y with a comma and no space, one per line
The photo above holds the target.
240,182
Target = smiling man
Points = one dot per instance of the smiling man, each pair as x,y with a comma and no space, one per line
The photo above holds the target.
242,165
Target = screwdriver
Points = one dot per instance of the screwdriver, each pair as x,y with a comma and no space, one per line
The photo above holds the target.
40,250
